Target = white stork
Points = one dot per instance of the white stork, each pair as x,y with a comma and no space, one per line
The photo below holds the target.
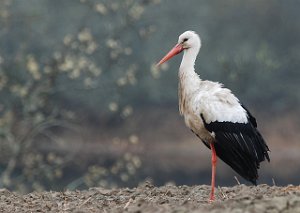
216,116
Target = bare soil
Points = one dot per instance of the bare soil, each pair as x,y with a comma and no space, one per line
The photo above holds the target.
147,198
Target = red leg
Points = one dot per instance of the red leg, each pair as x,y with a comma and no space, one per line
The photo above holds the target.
213,171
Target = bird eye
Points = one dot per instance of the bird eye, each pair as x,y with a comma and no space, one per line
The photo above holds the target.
184,40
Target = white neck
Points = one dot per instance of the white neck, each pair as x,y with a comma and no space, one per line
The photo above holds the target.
188,62
188,79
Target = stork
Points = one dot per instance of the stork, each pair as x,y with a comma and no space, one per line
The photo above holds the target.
216,116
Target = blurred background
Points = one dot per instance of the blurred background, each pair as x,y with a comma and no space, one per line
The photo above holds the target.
82,104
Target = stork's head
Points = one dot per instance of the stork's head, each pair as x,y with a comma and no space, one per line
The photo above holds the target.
187,41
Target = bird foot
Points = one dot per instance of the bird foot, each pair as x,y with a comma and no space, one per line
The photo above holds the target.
211,199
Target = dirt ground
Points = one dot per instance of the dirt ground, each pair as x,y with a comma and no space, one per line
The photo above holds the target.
147,198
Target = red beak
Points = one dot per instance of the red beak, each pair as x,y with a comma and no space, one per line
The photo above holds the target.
177,49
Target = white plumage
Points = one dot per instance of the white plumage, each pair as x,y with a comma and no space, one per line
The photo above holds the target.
208,98
216,116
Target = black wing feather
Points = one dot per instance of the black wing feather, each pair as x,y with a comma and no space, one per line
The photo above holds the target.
240,146
251,118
